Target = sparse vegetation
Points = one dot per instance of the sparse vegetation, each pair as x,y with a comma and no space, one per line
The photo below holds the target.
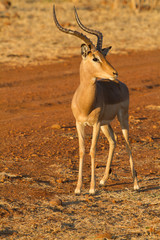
39,145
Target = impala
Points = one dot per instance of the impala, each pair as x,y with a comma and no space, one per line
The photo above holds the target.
99,98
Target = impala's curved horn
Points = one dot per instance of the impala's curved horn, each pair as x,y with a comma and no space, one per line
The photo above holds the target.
69,31
91,31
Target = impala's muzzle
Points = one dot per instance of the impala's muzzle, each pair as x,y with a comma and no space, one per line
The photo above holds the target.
115,74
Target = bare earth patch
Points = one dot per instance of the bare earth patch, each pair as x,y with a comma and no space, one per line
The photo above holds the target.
39,144
39,156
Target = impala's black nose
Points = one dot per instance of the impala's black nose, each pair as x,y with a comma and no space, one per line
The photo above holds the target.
115,74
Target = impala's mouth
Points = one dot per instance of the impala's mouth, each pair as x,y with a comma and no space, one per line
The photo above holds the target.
112,78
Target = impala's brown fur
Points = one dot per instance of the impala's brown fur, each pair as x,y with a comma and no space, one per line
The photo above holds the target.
97,102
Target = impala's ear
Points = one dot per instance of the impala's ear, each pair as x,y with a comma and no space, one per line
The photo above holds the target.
85,50
106,50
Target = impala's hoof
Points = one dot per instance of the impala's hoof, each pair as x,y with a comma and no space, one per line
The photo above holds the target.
77,191
92,191
102,182
136,187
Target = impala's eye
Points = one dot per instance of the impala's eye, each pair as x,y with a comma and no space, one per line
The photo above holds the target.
95,59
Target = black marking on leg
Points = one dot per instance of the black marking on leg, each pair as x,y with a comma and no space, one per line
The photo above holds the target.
135,173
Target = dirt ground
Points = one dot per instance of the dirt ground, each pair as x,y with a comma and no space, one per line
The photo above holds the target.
39,156
38,139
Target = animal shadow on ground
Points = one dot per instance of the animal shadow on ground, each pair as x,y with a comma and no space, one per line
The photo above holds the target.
7,232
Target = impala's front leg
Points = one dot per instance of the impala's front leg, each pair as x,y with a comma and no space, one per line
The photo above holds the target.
96,129
80,131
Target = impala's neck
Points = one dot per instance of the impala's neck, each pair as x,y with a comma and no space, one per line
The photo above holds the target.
86,75
86,92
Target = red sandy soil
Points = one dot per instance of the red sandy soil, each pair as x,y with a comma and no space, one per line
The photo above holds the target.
39,145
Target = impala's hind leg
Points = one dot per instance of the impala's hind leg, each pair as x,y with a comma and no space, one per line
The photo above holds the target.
108,132
125,130
133,171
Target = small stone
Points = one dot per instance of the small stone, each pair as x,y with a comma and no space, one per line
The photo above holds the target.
55,126
55,202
